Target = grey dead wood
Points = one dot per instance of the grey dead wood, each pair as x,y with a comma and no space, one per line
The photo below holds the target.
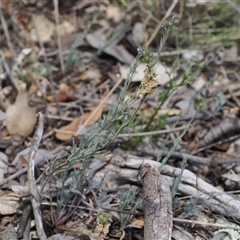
191,184
157,204
35,197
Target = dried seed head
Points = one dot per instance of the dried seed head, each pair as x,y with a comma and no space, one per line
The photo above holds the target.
149,83
103,228
104,222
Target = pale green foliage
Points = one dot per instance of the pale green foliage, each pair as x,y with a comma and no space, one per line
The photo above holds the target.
104,218
103,133
129,202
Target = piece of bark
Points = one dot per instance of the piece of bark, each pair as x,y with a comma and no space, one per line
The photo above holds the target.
157,204
227,127
24,220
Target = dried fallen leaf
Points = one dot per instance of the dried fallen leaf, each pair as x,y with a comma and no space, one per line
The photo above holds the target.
65,28
114,12
78,227
44,28
137,222
66,93
20,190
69,130
169,112
91,74
193,146
108,184
9,203
200,82
232,176
118,51
20,118
161,71
139,33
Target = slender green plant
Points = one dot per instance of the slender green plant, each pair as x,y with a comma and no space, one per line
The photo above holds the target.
103,133
92,143
129,202
177,181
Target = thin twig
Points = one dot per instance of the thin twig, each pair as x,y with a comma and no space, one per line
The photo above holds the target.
5,29
181,9
122,211
234,5
100,104
35,198
140,134
178,155
173,138
60,52
123,235
228,89
169,11
192,222
148,12
143,134
24,220
50,116
190,157
176,52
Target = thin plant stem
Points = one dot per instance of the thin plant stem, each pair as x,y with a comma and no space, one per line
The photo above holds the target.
60,53
6,32
174,3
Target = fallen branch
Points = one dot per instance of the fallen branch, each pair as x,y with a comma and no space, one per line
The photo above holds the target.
157,204
35,197
190,157
191,184
228,126
24,220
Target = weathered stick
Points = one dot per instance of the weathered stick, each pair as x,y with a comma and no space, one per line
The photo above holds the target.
217,200
35,198
157,204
